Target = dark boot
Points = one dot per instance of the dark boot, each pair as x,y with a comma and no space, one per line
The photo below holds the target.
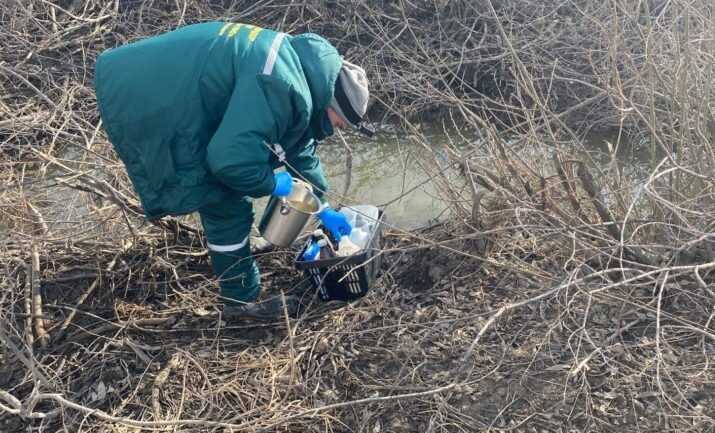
270,309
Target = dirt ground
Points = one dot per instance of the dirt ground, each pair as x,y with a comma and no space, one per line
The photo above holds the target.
149,346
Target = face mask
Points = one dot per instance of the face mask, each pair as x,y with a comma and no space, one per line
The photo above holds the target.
322,127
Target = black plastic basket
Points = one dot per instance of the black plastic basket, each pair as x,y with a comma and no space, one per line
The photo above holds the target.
345,278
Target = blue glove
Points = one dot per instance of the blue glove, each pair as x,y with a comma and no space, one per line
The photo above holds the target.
284,184
336,222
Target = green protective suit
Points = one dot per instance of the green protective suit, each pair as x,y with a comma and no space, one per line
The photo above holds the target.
202,115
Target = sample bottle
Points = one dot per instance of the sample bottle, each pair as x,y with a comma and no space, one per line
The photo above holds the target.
312,252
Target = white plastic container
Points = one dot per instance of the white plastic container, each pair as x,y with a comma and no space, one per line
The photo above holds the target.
363,216
359,236
347,247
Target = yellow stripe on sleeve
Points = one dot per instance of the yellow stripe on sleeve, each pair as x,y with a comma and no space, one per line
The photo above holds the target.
234,30
254,34
224,28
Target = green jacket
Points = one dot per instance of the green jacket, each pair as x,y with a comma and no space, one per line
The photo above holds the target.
197,112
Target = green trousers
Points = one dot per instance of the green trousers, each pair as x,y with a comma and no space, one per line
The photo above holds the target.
227,226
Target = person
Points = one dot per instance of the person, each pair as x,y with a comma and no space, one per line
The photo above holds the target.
202,116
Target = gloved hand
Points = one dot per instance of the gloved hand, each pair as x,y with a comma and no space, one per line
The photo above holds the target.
284,184
336,222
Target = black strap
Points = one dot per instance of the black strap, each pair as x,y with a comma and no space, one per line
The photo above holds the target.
344,103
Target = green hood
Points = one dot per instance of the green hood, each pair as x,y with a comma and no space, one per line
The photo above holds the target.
321,64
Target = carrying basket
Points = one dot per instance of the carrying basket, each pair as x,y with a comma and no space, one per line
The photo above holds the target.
345,278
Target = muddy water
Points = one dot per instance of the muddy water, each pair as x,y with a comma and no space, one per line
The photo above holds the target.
391,171
388,171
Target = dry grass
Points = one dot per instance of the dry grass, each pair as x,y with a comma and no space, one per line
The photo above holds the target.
564,295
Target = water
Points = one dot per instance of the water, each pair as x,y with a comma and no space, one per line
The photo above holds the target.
387,171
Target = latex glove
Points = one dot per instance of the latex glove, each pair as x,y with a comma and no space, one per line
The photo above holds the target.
336,222
284,184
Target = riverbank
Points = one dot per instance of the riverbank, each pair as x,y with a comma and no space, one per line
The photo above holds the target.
562,294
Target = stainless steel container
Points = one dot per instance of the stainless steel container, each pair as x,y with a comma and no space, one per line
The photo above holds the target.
285,218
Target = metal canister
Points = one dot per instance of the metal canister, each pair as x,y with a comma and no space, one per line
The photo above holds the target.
285,218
